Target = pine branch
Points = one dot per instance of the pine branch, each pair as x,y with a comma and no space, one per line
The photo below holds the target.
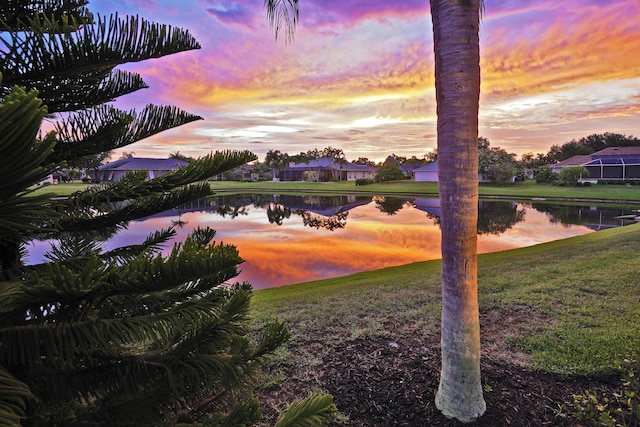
56,50
245,414
69,247
314,411
152,244
136,288
145,198
121,371
14,14
105,128
14,396
273,336
92,88
20,116
139,208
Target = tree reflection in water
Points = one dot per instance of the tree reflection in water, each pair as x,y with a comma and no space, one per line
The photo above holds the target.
277,210
390,205
231,211
319,221
277,213
329,212
494,217
594,217
498,217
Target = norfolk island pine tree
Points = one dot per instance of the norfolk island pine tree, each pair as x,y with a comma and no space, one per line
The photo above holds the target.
126,336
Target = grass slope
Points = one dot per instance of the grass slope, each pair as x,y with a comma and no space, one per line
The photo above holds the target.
570,306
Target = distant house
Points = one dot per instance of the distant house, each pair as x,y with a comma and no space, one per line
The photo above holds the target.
408,168
429,173
572,161
114,171
50,179
325,170
245,173
612,163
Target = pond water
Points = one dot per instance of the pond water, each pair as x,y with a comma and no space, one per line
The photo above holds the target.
292,239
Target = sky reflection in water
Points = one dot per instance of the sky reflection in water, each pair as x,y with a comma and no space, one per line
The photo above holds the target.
367,234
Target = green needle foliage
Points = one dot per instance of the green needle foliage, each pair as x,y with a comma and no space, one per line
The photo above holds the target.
127,336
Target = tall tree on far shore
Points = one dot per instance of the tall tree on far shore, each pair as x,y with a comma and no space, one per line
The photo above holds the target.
588,145
274,159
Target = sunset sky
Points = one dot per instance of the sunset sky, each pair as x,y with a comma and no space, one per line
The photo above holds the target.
359,75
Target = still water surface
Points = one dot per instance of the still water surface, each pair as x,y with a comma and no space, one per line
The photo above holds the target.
293,239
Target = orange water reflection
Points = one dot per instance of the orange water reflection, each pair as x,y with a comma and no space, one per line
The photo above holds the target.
369,241
277,255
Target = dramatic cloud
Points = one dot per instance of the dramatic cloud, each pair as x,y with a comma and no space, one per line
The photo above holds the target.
359,75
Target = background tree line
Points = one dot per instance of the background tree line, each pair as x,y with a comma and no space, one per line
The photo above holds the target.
583,146
494,163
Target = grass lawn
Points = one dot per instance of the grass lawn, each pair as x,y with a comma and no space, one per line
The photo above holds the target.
65,189
528,190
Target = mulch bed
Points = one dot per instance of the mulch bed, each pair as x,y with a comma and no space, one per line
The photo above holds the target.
378,382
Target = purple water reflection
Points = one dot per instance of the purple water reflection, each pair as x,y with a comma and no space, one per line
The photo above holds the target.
292,239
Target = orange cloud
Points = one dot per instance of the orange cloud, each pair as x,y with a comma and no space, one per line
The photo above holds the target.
581,46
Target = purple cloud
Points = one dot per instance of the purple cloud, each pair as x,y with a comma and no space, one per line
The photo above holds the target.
314,13
230,12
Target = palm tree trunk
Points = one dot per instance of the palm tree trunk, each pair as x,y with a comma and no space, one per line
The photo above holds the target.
457,75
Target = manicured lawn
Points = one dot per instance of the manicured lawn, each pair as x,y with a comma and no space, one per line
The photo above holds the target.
527,189
530,189
61,189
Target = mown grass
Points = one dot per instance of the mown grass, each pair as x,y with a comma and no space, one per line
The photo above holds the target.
571,306
65,189
528,189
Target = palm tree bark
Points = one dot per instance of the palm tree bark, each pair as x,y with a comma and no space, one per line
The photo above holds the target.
457,75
